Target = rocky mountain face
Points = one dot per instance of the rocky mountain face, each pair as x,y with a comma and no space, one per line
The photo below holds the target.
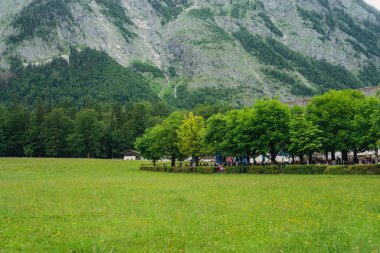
240,50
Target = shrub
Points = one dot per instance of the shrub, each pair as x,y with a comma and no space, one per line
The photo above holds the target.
271,169
304,169
205,169
336,169
369,169
319,169
183,169
235,169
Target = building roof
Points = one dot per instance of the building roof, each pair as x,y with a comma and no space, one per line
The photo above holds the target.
131,153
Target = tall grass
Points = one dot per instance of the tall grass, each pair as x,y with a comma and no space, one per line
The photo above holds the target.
63,205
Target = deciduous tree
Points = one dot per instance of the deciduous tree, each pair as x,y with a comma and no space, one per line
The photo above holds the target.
169,138
305,138
190,136
149,144
271,122
334,114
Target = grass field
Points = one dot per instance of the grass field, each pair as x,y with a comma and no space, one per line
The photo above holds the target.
74,205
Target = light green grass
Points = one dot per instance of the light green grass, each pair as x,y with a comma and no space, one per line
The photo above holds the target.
49,205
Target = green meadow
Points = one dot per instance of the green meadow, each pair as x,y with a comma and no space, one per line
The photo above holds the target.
79,205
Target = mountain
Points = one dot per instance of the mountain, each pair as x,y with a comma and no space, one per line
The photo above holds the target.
197,51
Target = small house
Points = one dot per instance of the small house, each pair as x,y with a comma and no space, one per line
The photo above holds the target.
132,155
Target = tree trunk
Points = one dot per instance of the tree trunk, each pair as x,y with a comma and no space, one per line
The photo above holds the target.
154,163
254,157
377,155
273,155
173,160
345,156
356,160
327,155
301,158
333,155
196,161
248,156
310,158
293,159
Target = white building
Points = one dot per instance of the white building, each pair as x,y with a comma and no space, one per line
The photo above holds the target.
132,155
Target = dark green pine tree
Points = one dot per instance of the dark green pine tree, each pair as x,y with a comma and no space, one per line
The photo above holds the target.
35,137
3,119
117,121
16,130
86,140
56,129
2,142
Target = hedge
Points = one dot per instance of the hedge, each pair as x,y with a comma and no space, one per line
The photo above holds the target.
336,169
370,169
304,169
270,169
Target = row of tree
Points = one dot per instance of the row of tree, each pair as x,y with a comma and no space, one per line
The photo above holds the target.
338,120
96,130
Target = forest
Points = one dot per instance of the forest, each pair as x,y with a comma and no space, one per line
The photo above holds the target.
88,75
66,131
97,130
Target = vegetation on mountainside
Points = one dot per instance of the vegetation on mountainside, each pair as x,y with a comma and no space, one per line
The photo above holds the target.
239,9
324,75
324,3
258,5
89,75
369,8
370,74
270,25
189,98
314,18
40,19
197,54
146,68
257,46
364,36
217,33
295,84
169,9
113,10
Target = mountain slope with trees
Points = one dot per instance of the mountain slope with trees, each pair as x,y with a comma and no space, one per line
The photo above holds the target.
237,50
87,76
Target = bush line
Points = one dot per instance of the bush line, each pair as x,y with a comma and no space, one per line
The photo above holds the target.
372,169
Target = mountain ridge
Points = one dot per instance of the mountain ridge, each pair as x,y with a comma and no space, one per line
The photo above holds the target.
197,40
